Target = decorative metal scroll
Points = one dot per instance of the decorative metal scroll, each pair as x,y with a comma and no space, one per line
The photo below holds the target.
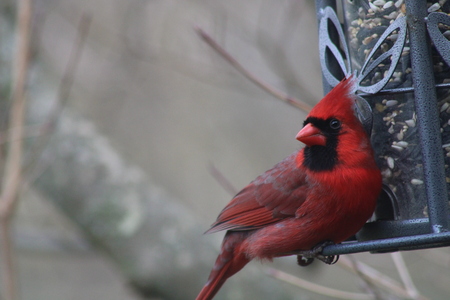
339,49
326,43
440,42
394,52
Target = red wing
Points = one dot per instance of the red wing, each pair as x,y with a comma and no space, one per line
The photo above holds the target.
272,196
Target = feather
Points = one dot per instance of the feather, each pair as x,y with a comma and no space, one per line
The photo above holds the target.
274,195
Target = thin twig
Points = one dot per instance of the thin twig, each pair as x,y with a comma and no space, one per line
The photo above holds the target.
67,79
316,288
33,169
222,180
11,176
28,132
252,77
8,263
378,278
404,275
12,172
370,285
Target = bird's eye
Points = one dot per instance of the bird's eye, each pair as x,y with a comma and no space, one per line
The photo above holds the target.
335,124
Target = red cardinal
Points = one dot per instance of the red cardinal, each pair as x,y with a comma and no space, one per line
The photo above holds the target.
324,192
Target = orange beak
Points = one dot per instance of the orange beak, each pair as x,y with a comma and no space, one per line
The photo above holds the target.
310,136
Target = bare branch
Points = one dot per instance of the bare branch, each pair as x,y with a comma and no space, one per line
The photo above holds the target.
69,73
316,288
34,169
378,278
8,263
405,276
11,176
28,132
252,77
13,164
222,180
369,283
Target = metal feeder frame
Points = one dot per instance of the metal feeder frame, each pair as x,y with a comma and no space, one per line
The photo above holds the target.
421,26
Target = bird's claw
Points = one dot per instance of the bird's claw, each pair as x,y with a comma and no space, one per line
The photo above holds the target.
305,258
329,259
304,261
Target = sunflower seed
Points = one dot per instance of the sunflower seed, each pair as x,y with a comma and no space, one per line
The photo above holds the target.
410,123
379,2
391,103
390,162
434,7
402,144
416,181
398,148
388,4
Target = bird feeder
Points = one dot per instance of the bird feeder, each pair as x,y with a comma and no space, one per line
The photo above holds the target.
400,53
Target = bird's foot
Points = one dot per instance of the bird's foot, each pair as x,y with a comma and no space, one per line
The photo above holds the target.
305,258
304,261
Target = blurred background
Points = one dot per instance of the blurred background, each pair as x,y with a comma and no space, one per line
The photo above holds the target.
123,165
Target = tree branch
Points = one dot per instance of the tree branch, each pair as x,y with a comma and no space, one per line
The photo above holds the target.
252,77
316,288
33,168
405,276
13,163
383,281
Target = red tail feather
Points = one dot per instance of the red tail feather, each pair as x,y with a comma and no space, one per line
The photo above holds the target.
227,264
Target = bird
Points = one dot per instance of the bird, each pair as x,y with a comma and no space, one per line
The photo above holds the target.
323,193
